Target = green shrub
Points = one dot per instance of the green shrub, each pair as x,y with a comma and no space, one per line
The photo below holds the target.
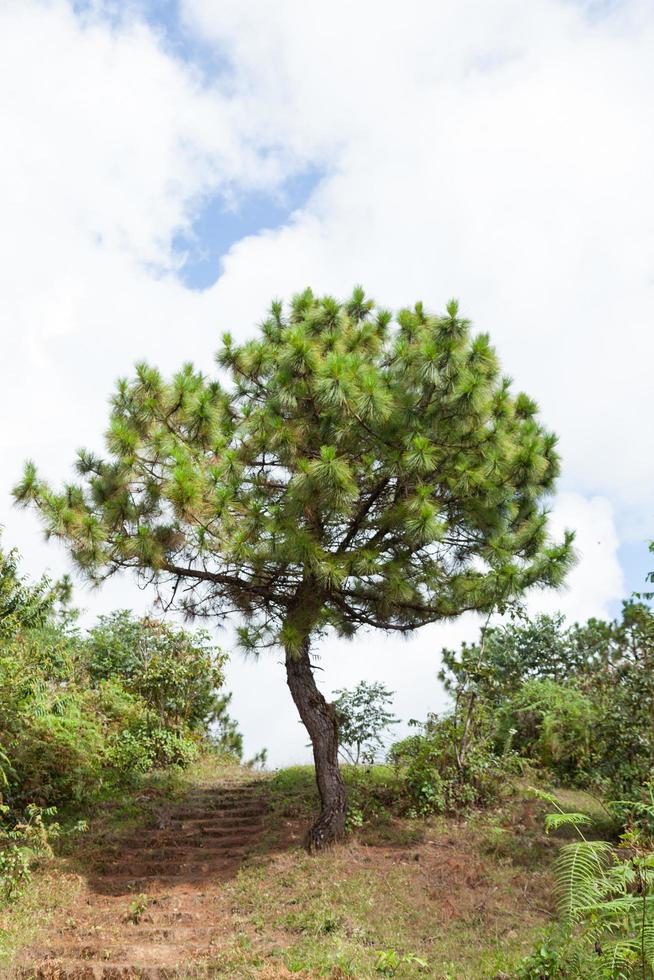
170,748
434,779
133,753
81,713
128,756
56,754
22,842
552,725
174,671
574,699
605,896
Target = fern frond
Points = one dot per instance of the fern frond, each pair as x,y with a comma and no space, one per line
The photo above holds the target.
579,871
616,908
540,794
617,960
647,942
553,821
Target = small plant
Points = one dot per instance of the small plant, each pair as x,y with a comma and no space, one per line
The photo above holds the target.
363,719
389,961
23,843
354,817
137,907
15,872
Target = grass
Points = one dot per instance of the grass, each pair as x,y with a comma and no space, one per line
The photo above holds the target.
20,922
445,898
361,911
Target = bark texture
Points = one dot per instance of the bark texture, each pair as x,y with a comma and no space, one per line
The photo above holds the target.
319,718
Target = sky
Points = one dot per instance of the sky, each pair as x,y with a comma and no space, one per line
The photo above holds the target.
168,167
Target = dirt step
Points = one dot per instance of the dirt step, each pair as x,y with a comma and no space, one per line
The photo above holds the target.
73,969
182,838
217,816
160,913
192,848
178,837
220,793
224,806
212,861
229,823
205,839
131,934
231,817
213,833
129,886
169,835
140,953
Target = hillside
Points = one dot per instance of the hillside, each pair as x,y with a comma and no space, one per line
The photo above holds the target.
203,875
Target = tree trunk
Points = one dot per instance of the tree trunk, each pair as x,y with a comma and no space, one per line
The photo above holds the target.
319,718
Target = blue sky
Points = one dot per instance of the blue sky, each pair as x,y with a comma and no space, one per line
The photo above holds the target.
173,166
221,224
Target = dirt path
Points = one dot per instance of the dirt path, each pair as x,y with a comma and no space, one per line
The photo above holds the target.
148,908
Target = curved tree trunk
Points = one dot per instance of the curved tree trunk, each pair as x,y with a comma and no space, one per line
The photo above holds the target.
320,720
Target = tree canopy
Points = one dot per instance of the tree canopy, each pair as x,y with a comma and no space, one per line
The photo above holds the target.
392,468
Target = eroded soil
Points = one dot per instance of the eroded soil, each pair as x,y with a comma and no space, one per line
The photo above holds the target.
149,903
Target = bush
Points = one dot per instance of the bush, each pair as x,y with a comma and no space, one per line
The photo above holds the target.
552,725
22,842
81,713
57,758
434,779
132,753
573,699
174,671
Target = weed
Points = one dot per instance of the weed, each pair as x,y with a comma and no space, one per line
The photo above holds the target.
389,961
137,907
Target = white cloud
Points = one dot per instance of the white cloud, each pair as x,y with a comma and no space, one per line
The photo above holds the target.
501,152
597,580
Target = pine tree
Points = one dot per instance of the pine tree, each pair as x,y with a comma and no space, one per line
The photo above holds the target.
351,471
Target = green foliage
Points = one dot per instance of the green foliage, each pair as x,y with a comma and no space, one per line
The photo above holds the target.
520,650
435,780
175,672
22,606
363,720
575,700
605,896
23,842
553,725
389,962
137,908
82,714
134,752
354,471
622,688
